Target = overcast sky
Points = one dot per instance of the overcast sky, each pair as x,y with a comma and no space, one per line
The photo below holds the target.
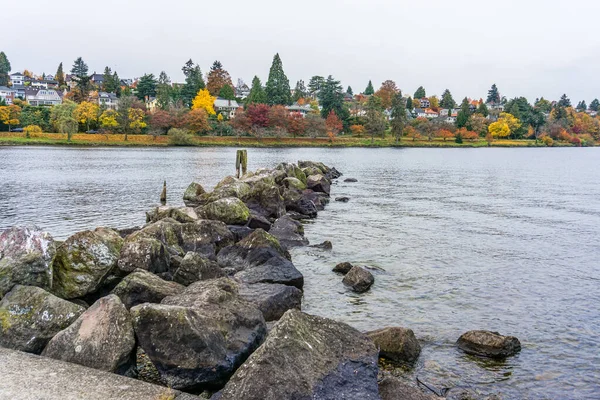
528,48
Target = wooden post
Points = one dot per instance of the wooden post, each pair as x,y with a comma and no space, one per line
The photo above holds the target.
163,194
241,162
244,161
238,161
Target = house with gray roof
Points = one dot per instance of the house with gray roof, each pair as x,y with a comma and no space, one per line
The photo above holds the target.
108,100
226,107
7,94
42,97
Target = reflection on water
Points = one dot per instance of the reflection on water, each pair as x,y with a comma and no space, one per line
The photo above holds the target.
499,239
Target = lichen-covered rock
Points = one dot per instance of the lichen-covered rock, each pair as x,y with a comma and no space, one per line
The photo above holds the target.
230,210
31,316
358,279
196,267
318,183
266,200
192,192
396,344
101,338
179,214
272,299
276,269
205,236
392,388
198,338
258,221
488,344
293,171
343,268
26,255
289,232
295,183
314,164
308,357
83,262
144,287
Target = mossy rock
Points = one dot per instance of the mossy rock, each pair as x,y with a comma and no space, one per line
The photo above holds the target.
193,190
293,171
295,183
260,239
229,210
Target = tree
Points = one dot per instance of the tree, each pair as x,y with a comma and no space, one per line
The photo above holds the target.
217,79
241,123
136,120
375,120
331,98
581,106
9,115
296,124
445,134
163,91
161,121
386,93
258,115
447,100
595,105
278,117
463,115
62,118
300,91
204,101
334,125
482,109
434,103
349,91
278,85
564,101
227,93
477,123
257,93
146,87
193,82
399,116
409,104
513,122
315,125
420,93
127,102
498,129
468,135
493,95
196,120
357,130
60,76
5,68
108,119
82,80
86,113
369,91
543,105
314,85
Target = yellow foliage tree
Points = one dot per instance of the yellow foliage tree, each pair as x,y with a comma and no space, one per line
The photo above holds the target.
499,129
108,119
205,101
86,112
136,119
10,115
513,122
29,129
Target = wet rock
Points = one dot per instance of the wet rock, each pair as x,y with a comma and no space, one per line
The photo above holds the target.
322,168
25,258
195,267
127,231
84,261
101,338
318,183
392,388
198,338
358,279
276,269
488,344
206,237
396,344
297,216
230,210
273,300
351,180
239,232
266,200
144,287
258,221
257,247
326,245
320,200
179,214
289,232
30,317
192,192
294,183
308,357
343,268
342,199
304,206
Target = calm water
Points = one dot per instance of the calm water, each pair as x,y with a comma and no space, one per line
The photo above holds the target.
499,239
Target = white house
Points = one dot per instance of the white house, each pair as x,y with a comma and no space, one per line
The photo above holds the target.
302,109
425,113
17,79
42,97
242,91
7,94
109,100
425,102
226,107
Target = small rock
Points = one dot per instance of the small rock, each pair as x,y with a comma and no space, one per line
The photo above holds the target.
358,279
396,344
343,268
144,287
392,388
195,267
343,199
258,221
326,245
488,344
351,180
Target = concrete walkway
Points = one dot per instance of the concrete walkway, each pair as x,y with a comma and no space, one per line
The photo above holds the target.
26,376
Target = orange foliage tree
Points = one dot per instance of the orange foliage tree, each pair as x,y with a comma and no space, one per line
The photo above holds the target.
196,120
296,124
445,134
386,93
357,130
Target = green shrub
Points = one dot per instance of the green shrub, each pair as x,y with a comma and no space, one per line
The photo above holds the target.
180,137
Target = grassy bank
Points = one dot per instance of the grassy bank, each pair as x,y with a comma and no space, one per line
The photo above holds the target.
19,139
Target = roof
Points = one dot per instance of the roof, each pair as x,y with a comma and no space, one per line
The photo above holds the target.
97,77
111,96
17,74
6,89
419,111
428,111
220,102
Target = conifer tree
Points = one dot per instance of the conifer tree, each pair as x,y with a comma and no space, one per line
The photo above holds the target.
399,117
5,68
331,98
482,109
564,101
163,91
146,87
581,106
193,82
420,93
595,105
300,91
315,84
447,100
369,90
227,93
60,75
349,91
108,84
278,85
217,78
493,95
257,93
409,104
82,80
463,115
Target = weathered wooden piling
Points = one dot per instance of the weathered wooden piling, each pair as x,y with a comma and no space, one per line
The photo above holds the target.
163,194
241,161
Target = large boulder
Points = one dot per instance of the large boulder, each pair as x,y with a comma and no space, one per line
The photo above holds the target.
320,200
308,357
180,214
392,388
396,344
31,316
192,192
276,269
303,205
272,299
295,183
265,199
196,267
144,287
289,232
198,338
318,183
488,344
292,171
358,279
101,338
229,210
25,258
84,261
206,237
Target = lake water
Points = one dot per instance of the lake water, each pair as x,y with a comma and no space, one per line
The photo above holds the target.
498,239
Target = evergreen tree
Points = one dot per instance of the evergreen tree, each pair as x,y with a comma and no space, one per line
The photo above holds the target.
79,73
581,106
116,82
369,90
315,84
193,82
146,87
227,93
375,120
108,84
595,105
482,109
463,115
257,93
60,75
420,93
564,101
5,68
493,95
278,85
163,91
409,104
543,105
331,98
447,100
300,91
217,79
399,117
349,91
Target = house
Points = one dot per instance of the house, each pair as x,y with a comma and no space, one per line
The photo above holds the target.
242,91
42,97
348,97
302,109
108,100
43,84
493,106
126,82
19,91
97,79
425,102
49,77
17,79
226,107
151,104
7,94
425,113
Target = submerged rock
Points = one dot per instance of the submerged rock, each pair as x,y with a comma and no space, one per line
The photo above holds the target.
392,388
326,245
396,344
358,279
351,180
26,255
230,210
272,299
101,338
144,287
488,344
343,268
30,317
308,357
342,199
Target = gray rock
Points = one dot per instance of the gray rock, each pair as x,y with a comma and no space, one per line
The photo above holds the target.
259,222
276,269
198,338
342,199
239,232
195,267
358,279
308,357
392,388
144,287
101,338
326,245
318,183
396,344
273,300
351,180
304,206
205,237
319,200
25,258
179,214
488,344
343,268
30,317
289,232
266,200
84,261
192,192
230,210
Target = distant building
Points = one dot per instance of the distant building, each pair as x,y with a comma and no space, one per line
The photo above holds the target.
425,113
108,100
425,103
42,97
17,79
151,104
242,91
302,109
19,91
7,94
126,82
226,107
97,79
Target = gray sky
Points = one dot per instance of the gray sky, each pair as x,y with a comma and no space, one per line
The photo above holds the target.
527,47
